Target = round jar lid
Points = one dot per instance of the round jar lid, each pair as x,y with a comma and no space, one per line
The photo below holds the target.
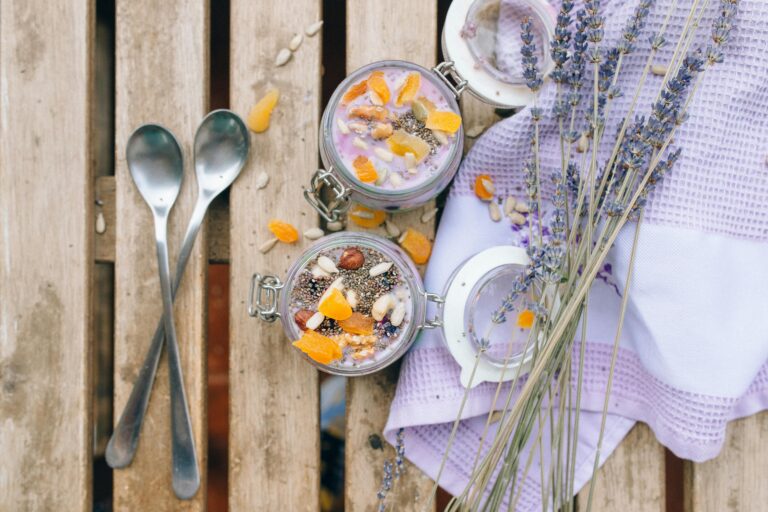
472,295
482,39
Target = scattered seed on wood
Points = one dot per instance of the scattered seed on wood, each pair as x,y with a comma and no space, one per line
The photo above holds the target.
517,218
283,56
522,207
380,268
392,229
475,131
295,42
261,180
494,211
509,205
101,224
428,215
343,128
314,28
335,226
583,144
659,69
268,245
313,233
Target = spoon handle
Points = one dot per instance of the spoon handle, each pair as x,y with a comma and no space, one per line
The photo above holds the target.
125,438
186,476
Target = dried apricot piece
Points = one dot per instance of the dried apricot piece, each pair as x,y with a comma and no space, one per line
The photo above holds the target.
484,188
318,347
417,245
334,305
357,324
444,121
409,89
364,169
377,84
355,91
283,231
367,218
525,319
402,142
258,118
369,112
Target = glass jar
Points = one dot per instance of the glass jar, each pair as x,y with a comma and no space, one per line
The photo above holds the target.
373,336
391,136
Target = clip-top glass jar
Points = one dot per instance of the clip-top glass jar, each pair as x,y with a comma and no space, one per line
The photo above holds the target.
354,303
391,137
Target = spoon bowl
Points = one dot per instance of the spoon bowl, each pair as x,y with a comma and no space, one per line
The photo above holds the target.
156,165
221,149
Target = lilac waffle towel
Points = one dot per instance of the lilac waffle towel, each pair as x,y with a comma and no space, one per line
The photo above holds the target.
695,342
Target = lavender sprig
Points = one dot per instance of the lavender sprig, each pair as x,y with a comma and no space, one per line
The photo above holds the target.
561,42
531,71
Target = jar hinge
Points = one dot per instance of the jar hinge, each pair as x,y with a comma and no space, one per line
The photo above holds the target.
338,205
448,74
435,322
262,297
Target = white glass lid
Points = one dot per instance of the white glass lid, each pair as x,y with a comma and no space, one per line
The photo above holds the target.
472,296
482,38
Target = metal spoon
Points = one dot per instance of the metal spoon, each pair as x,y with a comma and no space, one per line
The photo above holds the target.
221,150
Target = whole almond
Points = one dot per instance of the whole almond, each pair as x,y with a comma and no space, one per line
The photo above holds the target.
301,318
351,259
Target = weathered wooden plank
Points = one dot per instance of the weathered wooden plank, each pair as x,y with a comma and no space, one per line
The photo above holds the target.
632,478
371,37
162,77
274,443
46,252
735,479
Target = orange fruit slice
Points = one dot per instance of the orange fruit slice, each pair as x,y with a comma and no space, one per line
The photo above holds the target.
402,142
364,169
377,84
318,347
334,305
367,218
283,231
258,118
357,324
355,91
442,120
409,89
484,187
525,319
417,245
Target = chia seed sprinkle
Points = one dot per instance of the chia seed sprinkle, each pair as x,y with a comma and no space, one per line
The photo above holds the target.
409,124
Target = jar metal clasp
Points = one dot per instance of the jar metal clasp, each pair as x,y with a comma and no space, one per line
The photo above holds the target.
340,202
451,77
436,321
263,297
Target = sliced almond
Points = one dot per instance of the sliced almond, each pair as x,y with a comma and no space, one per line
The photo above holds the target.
268,245
381,306
494,211
428,215
313,233
360,143
315,320
398,314
318,272
382,176
343,128
384,154
509,205
375,98
327,264
295,42
517,218
261,180
282,58
441,137
381,131
392,229
379,269
314,28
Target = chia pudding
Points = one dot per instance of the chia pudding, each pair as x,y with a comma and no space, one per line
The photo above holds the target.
394,129
352,305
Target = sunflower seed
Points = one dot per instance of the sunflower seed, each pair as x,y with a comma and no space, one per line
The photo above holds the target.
583,144
283,56
494,211
375,98
338,283
319,272
441,137
379,269
475,131
327,264
398,314
488,185
267,246
261,180
295,42
343,128
382,176
522,207
359,143
352,298
384,154
101,224
428,215
509,205
314,321
392,229
395,179
335,226
381,306
314,28
517,218
659,69
313,233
